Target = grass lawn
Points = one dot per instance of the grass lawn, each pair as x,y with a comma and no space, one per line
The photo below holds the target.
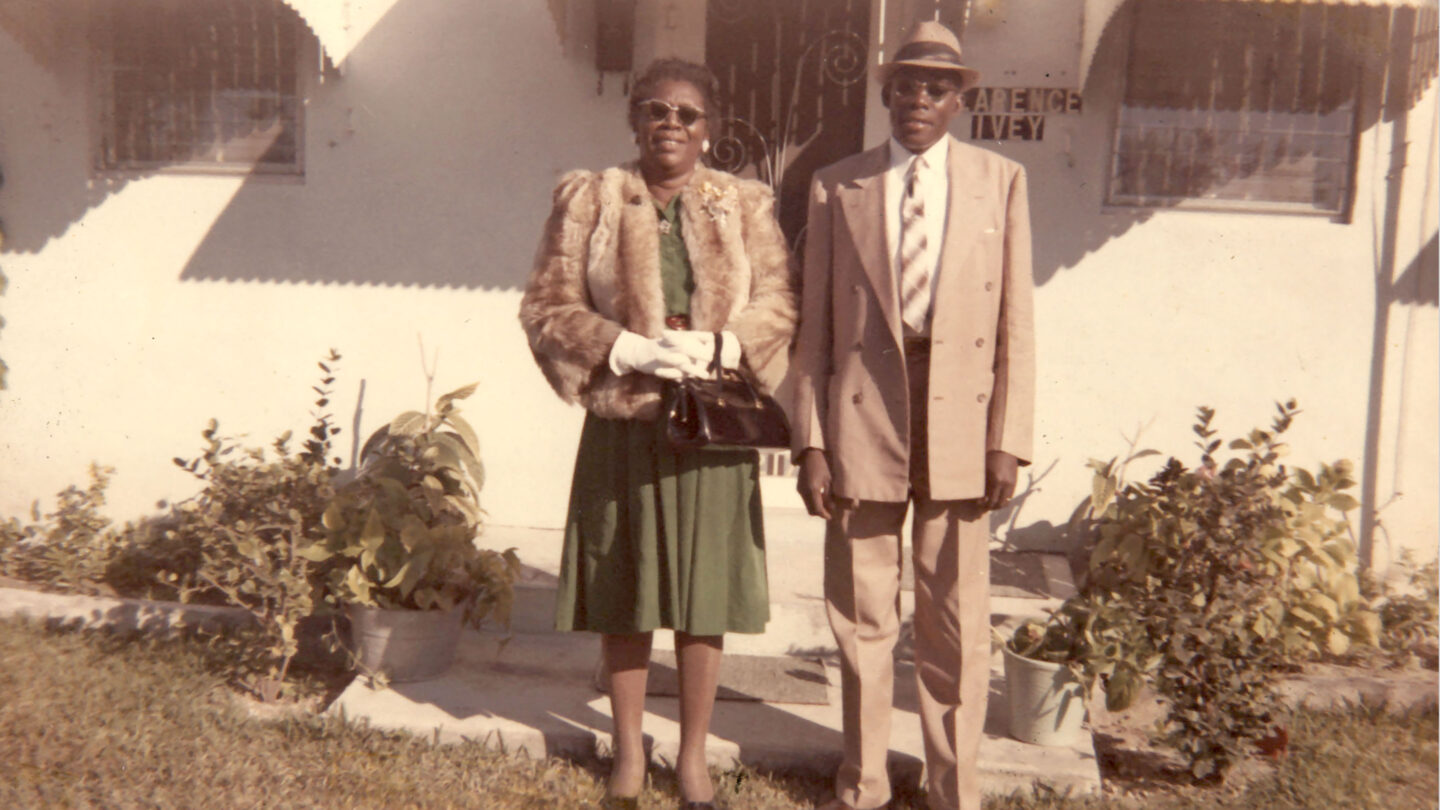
89,720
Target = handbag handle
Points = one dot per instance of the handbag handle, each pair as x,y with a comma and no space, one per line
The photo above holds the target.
715,365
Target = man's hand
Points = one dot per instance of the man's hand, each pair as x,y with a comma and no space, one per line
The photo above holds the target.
1001,472
814,483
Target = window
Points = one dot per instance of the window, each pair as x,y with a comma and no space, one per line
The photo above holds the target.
1238,105
199,85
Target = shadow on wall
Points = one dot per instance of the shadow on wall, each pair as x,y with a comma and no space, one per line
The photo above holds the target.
43,118
1368,36
1061,238
1418,283
430,162
419,173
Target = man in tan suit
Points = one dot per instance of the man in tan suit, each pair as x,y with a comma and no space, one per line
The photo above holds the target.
915,384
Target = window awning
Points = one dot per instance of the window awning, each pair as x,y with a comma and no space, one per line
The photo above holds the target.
40,26
1099,13
327,20
340,25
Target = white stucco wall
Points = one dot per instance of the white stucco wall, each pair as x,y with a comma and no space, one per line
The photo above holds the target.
133,316
1144,314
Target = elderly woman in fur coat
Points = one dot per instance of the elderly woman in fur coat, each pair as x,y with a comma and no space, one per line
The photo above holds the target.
642,268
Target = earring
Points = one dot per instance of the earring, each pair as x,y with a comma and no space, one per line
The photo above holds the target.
705,145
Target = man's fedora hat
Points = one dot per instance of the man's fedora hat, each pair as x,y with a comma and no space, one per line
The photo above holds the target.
931,45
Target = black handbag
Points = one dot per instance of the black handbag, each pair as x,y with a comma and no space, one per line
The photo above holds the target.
724,411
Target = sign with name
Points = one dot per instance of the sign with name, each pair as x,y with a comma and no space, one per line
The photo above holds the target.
1017,113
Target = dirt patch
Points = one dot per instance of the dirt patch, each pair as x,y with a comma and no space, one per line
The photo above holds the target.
283,709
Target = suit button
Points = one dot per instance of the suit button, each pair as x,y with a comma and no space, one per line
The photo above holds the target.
856,399
989,285
859,346
979,342
979,397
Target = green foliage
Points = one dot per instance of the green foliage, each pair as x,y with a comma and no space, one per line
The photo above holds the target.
68,549
245,534
12,531
402,534
77,549
1408,619
1205,582
1295,520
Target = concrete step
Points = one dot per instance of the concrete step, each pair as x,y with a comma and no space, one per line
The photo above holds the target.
538,694
1023,584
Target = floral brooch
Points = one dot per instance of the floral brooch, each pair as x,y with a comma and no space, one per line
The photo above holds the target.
717,202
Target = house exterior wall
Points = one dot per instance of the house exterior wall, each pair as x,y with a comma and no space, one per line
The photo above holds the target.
135,312
1144,314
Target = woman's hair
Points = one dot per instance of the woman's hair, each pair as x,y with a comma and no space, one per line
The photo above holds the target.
664,70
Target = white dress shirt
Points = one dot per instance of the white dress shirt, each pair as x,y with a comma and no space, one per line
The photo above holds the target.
935,186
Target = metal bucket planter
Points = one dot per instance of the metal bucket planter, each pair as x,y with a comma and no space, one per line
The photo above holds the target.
405,645
1047,703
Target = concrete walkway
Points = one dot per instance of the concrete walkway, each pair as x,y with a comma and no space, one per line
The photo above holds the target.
539,692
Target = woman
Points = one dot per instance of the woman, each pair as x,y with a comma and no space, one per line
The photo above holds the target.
641,270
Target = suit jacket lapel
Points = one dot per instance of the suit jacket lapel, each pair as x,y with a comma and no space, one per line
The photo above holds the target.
966,219
863,201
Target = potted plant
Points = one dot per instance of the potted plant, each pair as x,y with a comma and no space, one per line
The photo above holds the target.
1051,668
400,553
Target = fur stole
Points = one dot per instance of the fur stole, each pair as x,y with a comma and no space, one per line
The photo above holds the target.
597,271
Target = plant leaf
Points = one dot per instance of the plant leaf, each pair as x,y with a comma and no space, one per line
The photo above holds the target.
410,423
315,552
466,431
463,392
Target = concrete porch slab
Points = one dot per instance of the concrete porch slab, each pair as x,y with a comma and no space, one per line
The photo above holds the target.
537,694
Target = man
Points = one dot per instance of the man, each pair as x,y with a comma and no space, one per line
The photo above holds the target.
915,373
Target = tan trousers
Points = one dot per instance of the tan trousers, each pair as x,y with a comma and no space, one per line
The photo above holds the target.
950,549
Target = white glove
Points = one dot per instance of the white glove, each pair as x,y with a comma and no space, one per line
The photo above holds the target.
633,352
700,346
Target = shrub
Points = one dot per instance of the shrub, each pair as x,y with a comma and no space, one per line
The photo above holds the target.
69,549
1408,619
243,536
1206,582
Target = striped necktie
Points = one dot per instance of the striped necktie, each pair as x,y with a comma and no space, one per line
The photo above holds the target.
914,269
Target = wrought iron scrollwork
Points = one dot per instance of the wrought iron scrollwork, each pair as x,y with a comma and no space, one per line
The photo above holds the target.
842,58
740,143
793,76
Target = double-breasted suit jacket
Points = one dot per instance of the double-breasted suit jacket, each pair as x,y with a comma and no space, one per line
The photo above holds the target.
851,397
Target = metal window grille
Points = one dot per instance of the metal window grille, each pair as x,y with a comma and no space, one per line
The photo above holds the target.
199,85
1238,106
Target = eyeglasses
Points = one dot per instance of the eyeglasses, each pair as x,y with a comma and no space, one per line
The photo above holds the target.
936,88
657,111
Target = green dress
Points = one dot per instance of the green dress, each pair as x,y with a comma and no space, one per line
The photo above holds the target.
660,539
